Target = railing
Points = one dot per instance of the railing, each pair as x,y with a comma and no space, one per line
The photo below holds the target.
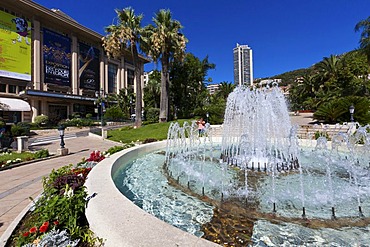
309,131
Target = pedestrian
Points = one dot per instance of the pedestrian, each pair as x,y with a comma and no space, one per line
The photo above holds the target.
201,124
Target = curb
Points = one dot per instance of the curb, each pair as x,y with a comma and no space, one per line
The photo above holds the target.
9,231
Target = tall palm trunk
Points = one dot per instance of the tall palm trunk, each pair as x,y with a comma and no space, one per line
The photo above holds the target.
163,113
138,102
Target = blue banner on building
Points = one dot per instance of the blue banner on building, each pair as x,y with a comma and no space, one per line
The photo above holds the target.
57,58
89,70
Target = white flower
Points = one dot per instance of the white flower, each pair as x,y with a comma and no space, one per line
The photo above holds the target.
68,193
9,161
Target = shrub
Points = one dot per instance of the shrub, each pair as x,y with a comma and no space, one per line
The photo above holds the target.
115,149
42,154
78,122
41,120
320,134
149,140
20,129
88,115
114,113
152,115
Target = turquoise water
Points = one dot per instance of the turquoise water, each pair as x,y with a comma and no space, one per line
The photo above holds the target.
143,181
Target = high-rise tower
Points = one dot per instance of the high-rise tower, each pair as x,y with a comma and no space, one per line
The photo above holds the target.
243,65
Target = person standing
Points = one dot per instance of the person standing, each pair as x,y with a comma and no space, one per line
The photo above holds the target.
201,124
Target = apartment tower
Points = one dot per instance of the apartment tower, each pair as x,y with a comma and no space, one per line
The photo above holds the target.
243,65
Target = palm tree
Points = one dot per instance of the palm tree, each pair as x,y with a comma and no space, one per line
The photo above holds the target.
153,88
225,89
364,25
126,35
329,67
163,42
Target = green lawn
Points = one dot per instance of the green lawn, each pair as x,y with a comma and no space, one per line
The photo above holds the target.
156,131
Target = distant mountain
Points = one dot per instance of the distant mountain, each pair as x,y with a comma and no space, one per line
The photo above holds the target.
289,77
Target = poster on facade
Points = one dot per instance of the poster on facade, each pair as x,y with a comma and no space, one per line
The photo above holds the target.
15,47
57,58
89,70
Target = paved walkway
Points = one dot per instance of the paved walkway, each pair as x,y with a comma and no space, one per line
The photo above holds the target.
20,183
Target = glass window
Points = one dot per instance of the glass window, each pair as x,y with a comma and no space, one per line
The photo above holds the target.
3,88
112,78
12,89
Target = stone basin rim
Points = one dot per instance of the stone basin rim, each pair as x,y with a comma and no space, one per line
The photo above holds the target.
118,220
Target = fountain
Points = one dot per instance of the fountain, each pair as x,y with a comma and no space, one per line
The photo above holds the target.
258,183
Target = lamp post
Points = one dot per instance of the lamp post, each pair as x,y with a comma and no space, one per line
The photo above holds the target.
61,129
351,111
62,150
100,95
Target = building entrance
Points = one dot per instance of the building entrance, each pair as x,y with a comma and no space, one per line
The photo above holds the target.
57,113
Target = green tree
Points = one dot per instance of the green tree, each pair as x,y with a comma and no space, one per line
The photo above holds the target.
329,112
152,90
122,36
123,101
364,27
164,43
114,113
225,89
188,91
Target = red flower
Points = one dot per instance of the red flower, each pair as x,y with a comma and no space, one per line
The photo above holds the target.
46,223
44,228
56,222
33,229
26,234
96,156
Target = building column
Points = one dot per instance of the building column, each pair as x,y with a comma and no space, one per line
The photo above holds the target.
75,74
34,108
122,74
105,82
102,73
118,78
36,55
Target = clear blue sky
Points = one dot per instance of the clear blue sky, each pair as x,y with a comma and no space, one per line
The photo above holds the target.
285,35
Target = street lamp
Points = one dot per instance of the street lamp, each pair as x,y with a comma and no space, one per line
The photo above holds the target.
207,115
61,129
351,111
100,95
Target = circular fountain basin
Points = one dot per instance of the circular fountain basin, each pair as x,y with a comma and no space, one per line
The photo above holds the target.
118,220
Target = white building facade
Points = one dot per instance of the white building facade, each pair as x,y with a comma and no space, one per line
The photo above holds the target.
243,65
52,65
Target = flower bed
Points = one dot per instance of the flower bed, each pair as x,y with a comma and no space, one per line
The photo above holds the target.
11,158
58,216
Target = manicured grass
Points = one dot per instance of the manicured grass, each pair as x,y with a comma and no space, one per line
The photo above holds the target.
156,131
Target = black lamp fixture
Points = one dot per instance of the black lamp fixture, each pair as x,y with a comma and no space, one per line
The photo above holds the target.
100,95
351,111
61,129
